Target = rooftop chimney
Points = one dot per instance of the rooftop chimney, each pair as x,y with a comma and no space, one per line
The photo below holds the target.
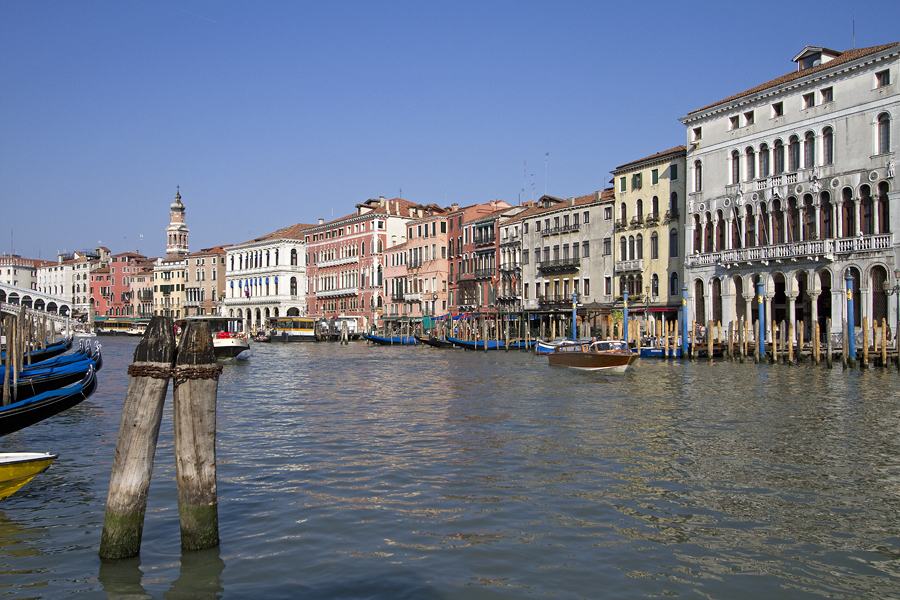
454,206
321,221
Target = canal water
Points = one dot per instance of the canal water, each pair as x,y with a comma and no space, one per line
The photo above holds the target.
408,472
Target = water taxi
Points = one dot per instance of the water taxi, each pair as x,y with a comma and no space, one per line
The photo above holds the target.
292,329
609,354
228,342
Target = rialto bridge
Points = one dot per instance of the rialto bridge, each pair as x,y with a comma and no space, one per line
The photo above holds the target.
12,298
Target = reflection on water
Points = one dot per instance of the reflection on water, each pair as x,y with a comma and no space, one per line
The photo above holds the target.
357,471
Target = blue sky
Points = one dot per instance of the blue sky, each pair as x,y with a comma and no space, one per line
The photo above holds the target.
274,113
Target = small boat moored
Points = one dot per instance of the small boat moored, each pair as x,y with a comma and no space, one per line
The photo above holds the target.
609,354
18,468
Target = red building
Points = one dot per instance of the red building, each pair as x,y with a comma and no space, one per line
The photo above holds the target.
345,259
111,290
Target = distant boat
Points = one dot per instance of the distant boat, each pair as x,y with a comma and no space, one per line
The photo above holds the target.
543,347
18,468
479,345
436,342
227,342
607,354
407,340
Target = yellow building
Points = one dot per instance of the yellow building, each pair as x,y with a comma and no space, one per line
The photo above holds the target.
648,209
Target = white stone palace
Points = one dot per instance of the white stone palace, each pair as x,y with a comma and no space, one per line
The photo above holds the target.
791,183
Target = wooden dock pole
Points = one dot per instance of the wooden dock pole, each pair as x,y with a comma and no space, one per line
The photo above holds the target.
883,343
865,342
196,384
791,343
815,343
846,341
126,502
829,350
709,340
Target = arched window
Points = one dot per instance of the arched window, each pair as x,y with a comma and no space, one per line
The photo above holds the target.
884,133
293,257
751,164
623,248
639,240
764,160
698,176
631,247
654,246
735,167
654,207
293,286
809,150
640,210
673,205
654,285
623,214
779,157
673,242
828,146
794,153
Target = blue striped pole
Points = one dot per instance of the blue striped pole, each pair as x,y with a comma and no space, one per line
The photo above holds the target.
625,317
761,311
851,318
684,321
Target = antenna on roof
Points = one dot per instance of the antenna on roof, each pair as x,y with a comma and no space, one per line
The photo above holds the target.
546,158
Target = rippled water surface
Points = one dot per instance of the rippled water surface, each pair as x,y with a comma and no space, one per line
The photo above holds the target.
367,472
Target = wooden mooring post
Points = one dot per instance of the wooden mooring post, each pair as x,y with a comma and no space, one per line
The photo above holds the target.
126,502
195,384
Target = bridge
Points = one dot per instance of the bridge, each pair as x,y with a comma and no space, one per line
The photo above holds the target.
36,303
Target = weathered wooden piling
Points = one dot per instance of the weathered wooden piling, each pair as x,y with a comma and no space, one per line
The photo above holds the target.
883,343
126,502
196,383
829,350
817,348
865,342
790,336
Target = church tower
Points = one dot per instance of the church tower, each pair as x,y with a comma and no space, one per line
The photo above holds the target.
177,231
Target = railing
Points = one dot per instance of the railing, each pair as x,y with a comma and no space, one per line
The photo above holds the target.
484,240
560,264
630,265
352,291
653,219
620,225
807,248
484,273
346,260
412,297
671,215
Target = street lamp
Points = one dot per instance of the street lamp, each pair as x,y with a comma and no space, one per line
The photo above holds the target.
891,291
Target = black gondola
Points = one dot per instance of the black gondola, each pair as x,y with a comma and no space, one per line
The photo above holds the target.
23,413
436,342
45,353
32,382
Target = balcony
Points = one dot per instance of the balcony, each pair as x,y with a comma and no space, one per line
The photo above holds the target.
629,265
652,219
347,260
484,273
671,215
412,297
337,293
620,225
510,267
484,240
570,228
559,265
555,301
808,249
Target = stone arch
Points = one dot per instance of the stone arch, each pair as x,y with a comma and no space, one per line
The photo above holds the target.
878,277
293,312
699,292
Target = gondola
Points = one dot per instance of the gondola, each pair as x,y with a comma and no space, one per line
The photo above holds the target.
397,340
85,350
479,345
44,353
435,342
23,413
36,381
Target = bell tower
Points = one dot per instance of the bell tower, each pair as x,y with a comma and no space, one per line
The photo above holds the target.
177,231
